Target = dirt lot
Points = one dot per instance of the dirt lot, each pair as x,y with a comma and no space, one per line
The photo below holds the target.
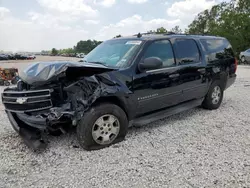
197,148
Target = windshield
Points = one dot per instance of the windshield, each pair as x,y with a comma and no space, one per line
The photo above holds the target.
114,53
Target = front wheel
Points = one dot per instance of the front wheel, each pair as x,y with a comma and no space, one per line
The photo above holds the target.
102,126
214,97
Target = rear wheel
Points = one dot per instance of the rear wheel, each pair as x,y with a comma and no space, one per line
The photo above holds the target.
102,126
214,97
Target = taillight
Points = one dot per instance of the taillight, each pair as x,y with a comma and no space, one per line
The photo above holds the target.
236,64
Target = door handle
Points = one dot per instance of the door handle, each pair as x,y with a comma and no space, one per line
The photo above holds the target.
202,70
174,75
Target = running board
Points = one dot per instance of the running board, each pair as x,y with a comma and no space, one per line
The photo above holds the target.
167,112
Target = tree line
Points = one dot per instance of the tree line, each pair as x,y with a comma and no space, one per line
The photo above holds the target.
81,47
227,19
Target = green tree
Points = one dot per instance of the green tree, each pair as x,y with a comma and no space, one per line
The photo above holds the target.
86,46
227,19
161,30
158,30
54,51
176,29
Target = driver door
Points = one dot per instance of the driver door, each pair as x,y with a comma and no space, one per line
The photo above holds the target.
159,88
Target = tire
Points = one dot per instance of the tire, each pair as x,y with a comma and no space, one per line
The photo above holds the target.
55,133
6,83
14,80
211,102
88,126
243,60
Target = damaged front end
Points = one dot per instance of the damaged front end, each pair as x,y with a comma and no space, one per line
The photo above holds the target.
53,97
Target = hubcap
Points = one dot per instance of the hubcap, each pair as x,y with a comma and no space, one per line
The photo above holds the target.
105,129
216,95
243,59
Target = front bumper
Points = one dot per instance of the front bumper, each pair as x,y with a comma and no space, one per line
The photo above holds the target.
34,138
13,122
34,128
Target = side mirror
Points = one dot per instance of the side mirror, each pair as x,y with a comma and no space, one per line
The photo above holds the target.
150,64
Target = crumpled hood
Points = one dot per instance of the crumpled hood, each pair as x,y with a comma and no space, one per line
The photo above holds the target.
42,72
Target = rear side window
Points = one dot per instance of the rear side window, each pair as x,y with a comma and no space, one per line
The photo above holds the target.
187,51
163,50
217,49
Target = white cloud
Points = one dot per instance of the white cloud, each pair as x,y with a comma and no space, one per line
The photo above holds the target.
40,32
93,22
72,7
3,12
186,10
51,20
105,3
61,24
137,1
133,25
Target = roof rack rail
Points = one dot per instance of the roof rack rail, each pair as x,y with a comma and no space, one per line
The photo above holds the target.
204,35
155,33
148,33
170,33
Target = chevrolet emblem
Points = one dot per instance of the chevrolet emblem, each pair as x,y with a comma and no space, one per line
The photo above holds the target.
21,100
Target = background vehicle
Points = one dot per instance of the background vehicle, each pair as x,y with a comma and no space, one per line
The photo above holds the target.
20,57
11,57
80,55
123,81
3,57
31,57
245,57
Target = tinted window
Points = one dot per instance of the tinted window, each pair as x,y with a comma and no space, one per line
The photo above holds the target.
217,49
248,50
163,50
186,51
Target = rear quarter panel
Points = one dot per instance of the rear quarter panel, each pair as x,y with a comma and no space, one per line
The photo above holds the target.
220,59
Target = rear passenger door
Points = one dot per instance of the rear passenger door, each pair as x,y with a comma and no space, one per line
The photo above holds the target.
191,69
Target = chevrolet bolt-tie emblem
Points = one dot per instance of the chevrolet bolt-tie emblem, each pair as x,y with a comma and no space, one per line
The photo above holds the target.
21,100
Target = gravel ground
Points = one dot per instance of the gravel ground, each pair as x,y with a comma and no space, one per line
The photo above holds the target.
197,148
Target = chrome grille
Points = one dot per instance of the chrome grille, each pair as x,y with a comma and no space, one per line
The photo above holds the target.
27,101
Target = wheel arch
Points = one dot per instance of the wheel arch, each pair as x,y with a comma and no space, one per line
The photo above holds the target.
221,78
114,100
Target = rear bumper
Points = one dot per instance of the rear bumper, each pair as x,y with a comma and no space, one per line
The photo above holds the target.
230,81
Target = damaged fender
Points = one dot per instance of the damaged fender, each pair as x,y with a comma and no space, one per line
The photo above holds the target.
86,91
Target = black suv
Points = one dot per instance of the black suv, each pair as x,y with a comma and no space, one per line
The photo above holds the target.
123,81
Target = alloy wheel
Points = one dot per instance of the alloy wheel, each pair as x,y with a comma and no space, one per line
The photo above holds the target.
106,129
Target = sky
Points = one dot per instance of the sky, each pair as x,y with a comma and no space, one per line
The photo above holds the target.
35,25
